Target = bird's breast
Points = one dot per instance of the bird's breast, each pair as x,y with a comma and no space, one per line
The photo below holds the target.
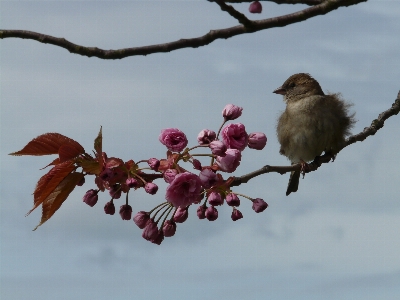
301,130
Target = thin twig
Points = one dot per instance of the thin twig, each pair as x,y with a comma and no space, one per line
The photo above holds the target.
318,161
307,2
242,19
302,15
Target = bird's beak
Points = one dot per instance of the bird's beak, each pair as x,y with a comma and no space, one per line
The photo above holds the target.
280,91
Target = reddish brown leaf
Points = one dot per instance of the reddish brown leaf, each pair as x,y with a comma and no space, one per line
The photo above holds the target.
48,182
67,152
49,143
98,144
114,162
90,166
57,197
53,163
98,147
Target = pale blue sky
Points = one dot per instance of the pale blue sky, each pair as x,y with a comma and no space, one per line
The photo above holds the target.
336,238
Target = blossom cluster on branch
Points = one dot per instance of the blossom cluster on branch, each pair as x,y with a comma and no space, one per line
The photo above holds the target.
205,186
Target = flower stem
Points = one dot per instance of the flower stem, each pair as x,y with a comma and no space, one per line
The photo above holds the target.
219,131
243,196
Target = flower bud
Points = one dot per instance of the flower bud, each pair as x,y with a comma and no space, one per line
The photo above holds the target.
208,178
196,164
236,215
109,208
125,212
232,199
206,136
150,232
231,112
151,188
141,219
230,162
169,175
154,164
215,199
181,215
132,183
257,140
91,197
115,191
259,205
174,139
218,148
159,238
169,228
211,213
201,212
255,7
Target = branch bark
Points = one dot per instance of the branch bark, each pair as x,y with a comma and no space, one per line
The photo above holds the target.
307,2
318,161
281,21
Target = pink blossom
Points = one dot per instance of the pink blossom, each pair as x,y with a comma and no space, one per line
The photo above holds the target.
232,199
206,136
231,161
151,188
259,205
174,139
257,140
231,112
154,164
215,199
141,219
236,215
112,175
235,136
201,212
132,183
125,212
109,208
181,215
150,232
184,190
169,228
169,175
211,213
208,178
91,197
255,7
218,148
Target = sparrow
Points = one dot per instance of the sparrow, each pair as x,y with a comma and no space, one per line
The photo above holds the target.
312,123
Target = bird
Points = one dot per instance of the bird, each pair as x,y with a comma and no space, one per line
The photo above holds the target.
312,123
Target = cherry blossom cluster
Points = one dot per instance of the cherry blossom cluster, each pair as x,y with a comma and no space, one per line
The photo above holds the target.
204,187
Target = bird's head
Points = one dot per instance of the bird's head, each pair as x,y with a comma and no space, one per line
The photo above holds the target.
299,86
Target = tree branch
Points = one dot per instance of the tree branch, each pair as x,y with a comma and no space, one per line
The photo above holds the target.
307,2
318,161
320,9
242,19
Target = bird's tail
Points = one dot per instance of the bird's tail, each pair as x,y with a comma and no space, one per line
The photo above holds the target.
293,182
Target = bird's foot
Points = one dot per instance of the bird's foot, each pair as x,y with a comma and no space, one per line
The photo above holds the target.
305,168
331,154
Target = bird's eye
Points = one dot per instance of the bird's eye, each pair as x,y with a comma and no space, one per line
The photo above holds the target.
292,85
